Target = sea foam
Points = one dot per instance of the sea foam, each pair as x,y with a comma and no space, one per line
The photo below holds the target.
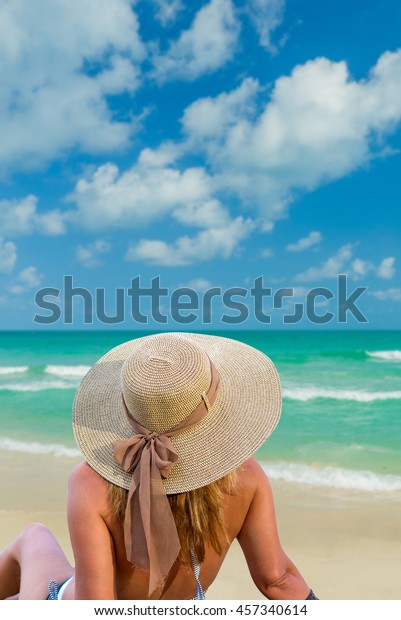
67,371
37,386
37,448
388,356
11,370
334,477
306,393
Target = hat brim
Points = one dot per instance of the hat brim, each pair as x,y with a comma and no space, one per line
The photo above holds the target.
244,414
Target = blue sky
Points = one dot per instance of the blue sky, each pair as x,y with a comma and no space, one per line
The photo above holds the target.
205,143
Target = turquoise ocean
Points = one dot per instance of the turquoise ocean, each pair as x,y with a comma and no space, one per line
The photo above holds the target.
341,419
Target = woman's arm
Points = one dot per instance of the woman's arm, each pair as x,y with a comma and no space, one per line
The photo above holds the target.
271,570
90,538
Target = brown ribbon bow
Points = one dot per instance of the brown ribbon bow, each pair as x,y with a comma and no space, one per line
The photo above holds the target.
150,533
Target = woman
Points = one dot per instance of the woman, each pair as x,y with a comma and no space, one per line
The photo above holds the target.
167,425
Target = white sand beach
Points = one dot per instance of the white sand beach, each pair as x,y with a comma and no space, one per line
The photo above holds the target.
346,545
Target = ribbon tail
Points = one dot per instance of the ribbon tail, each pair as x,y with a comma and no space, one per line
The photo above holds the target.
165,547
129,519
150,533
163,544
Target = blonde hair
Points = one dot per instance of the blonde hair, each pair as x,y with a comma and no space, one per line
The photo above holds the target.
198,515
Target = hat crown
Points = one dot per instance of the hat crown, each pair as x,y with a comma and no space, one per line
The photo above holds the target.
163,381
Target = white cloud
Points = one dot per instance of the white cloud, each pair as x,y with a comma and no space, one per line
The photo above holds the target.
30,277
164,155
8,256
207,120
17,216
342,262
139,196
266,253
27,279
330,268
206,46
391,294
20,217
167,10
360,268
266,225
386,269
59,62
89,255
148,193
207,244
313,238
120,76
266,15
317,126
209,214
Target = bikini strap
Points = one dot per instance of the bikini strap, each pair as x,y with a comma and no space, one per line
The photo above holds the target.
53,590
200,595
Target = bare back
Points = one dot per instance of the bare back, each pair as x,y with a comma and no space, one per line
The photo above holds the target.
103,572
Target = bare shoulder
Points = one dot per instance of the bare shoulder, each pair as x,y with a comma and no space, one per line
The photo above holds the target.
84,475
87,486
252,478
252,467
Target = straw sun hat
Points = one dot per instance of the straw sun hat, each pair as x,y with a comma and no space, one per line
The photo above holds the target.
162,379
